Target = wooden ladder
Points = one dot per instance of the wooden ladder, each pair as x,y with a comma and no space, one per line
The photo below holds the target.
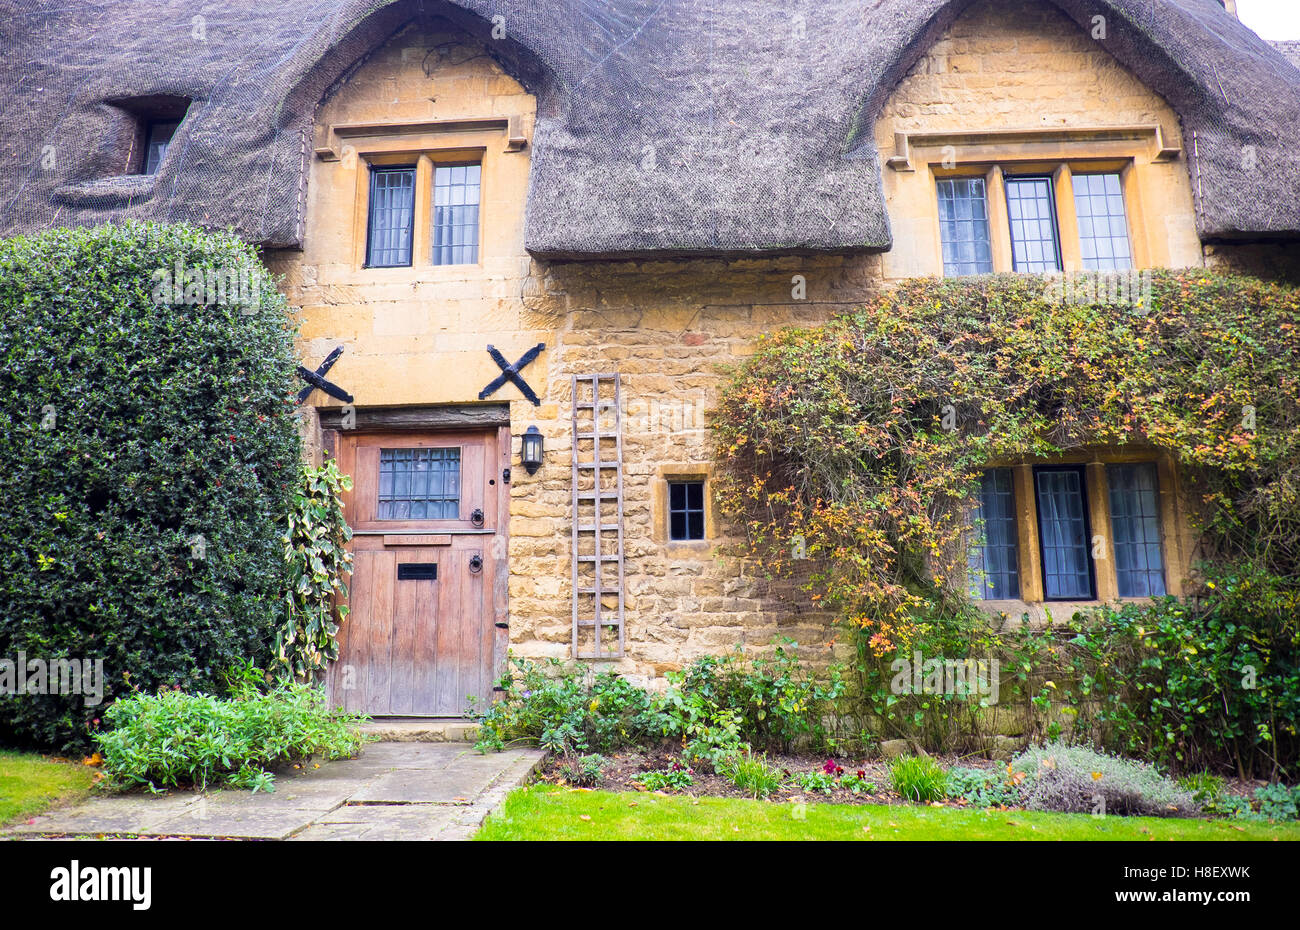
597,517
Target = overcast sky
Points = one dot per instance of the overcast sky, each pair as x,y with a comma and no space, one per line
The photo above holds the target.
1272,19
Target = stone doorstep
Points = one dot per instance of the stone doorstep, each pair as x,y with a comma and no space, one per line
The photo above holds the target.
421,730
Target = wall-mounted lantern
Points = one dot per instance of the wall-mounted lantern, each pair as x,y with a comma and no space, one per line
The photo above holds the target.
530,451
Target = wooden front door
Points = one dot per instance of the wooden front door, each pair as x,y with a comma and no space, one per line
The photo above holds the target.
428,553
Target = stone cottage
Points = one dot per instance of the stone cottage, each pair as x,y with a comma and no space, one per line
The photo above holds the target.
526,236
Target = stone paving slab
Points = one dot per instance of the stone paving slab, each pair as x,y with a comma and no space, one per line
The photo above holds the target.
398,791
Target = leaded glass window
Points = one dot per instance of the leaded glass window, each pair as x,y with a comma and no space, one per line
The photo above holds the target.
455,214
1135,521
964,221
392,214
1063,534
419,484
1031,210
994,557
1103,225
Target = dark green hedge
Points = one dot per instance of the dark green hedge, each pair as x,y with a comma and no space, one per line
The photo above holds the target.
146,460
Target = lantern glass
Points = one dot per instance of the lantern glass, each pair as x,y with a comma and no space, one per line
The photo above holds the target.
530,451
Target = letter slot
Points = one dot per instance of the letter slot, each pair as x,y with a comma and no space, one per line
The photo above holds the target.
417,571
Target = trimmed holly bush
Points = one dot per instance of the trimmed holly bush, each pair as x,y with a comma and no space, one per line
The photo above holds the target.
148,456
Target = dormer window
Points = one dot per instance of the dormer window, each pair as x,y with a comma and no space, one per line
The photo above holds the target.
149,124
158,137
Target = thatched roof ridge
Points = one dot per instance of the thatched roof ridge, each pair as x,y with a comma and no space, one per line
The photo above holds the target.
664,126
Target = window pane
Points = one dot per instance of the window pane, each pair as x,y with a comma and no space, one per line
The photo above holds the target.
157,143
419,484
1135,521
686,510
392,212
994,558
1063,534
455,214
963,220
1032,209
1103,225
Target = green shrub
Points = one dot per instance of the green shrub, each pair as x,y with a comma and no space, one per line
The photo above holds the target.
777,701
1211,682
173,738
148,455
752,774
315,549
677,777
1078,779
585,771
982,787
918,778
1205,788
568,710
1278,802
716,707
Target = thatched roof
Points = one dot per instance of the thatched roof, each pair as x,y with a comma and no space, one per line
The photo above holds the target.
1291,49
664,126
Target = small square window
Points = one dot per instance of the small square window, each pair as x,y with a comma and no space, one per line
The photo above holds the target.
158,138
685,510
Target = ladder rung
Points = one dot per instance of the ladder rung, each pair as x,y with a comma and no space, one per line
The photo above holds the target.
603,558
610,436
604,592
591,495
598,464
590,623
591,527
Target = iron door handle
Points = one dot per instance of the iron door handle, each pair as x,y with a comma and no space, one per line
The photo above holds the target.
475,564
476,517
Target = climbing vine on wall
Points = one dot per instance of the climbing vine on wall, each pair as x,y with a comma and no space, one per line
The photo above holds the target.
856,444
315,548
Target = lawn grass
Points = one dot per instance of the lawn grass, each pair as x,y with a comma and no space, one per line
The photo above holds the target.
547,812
30,784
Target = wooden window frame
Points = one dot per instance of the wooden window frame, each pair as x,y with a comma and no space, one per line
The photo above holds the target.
660,511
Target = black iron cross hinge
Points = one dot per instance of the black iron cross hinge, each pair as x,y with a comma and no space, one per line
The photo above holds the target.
316,379
511,373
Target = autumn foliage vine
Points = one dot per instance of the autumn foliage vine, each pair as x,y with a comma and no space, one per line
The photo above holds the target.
856,443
